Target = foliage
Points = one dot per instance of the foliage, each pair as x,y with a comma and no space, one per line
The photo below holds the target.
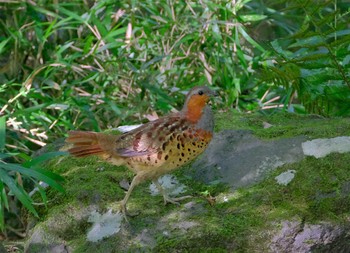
313,61
94,65
13,177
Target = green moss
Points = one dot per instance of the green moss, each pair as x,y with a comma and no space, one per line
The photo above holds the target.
107,245
90,180
284,125
317,193
203,241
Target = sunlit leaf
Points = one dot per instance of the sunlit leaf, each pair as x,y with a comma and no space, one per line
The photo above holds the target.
3,44
3,196
254,17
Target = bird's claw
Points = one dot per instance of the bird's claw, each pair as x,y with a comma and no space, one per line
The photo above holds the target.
174,201
126,213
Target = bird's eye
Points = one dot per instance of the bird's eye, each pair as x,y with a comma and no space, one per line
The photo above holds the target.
200,92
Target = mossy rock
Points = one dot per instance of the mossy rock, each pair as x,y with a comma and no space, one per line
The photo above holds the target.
217,218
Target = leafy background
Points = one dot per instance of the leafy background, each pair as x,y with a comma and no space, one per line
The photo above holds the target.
96,65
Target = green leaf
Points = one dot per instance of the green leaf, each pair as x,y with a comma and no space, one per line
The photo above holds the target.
4,156
38,174
3,204
71,14
3,44
314,41
98,25
2,214
50,29
115,33
2,132
240,4
3,197
64,47
42,193
39,159
252,18
18,191
250,39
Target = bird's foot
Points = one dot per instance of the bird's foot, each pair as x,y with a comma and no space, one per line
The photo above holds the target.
126,213
175,201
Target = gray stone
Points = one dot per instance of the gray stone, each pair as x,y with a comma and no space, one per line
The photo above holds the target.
285,177
239,158
59,248
322,147
42,241
294,236
104,225
50,235
344,192
185,225
146,239
170,185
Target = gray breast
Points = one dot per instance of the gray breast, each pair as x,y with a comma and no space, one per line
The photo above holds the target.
207,120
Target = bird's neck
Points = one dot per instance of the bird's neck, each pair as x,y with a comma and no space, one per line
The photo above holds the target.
199,114
206,121
193,108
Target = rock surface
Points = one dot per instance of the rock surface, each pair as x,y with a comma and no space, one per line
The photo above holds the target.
285,177
104,225
294,236
238,158
52,234
322,147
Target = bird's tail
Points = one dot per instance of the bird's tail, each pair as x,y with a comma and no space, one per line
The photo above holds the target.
90,143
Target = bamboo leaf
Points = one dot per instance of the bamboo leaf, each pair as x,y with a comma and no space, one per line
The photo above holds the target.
20,194
3,196
252,18
38,174
2,132
250,39
42,193
44,157
3,45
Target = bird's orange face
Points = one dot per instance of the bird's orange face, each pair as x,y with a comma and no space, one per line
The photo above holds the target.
195,107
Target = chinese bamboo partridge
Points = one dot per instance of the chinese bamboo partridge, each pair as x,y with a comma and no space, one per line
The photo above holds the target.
157,147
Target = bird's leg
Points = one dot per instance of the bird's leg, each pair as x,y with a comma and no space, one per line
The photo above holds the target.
166,197
135,181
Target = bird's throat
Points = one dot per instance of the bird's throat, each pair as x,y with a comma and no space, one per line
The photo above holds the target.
195,108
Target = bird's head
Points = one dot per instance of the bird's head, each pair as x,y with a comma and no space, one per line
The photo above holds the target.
196,100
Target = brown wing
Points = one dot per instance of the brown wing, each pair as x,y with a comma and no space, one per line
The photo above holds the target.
150,137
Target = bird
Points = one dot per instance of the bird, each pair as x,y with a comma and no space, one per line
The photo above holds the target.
157,147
